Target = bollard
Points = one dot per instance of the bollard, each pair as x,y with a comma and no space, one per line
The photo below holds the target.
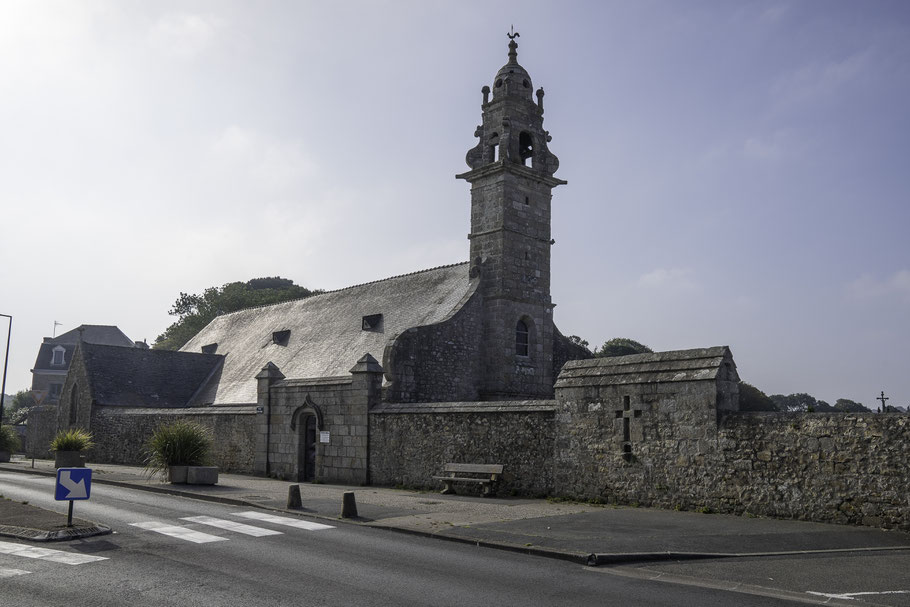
348,505
294,500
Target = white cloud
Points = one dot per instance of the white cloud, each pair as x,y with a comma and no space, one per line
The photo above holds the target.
272,164
869,287
183,35
773,147
816,81
774,14
672,279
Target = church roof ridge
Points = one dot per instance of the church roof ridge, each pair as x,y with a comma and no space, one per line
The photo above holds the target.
372,282
362,284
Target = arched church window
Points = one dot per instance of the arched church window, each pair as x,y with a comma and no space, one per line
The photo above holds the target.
522,335
73,400
525,147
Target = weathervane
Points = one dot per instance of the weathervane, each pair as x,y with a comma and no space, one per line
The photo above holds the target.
513,34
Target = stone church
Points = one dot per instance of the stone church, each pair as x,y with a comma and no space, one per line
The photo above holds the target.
386,382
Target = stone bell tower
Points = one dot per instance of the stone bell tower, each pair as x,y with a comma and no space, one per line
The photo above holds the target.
511,179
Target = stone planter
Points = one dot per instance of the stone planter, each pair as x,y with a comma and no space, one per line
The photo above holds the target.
202,475
4,456
176,474
69,459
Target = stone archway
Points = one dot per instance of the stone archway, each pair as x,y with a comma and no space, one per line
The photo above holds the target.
307,421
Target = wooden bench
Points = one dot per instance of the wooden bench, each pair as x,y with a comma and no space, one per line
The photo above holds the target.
480,474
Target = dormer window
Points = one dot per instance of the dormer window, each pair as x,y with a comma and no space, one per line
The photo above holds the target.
210,348
281,338
58,357
373,322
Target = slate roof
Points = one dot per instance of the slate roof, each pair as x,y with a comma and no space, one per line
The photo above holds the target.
700,364
326,331
109,335
93,334
137,377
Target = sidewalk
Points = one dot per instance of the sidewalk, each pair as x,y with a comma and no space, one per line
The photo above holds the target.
574,531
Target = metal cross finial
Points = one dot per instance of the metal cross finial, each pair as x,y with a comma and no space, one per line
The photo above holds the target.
883,398
513,34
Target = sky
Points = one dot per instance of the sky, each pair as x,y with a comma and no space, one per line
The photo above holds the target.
738,172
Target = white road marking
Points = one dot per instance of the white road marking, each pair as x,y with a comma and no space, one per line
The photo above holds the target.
283,520
46,554
231,526
12,572
182,533
849,596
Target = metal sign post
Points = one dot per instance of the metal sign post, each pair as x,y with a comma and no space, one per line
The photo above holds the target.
72,484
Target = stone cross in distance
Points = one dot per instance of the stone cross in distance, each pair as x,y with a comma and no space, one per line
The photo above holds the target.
883,398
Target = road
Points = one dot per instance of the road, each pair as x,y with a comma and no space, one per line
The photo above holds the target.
228,555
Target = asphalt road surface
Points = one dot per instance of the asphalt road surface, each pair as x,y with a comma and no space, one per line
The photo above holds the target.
168,550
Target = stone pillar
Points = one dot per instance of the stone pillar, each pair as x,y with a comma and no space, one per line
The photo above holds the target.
366,393
269,375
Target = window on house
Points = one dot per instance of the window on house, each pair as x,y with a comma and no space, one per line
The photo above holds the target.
58,358
521,338
53,392
210,348
282,337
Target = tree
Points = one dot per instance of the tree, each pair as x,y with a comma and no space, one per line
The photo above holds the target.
795,402
16,407
194,312
578,341
621,346
753,399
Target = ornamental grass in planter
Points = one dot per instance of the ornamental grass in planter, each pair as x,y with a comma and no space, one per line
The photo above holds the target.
68,446
174,447
9,442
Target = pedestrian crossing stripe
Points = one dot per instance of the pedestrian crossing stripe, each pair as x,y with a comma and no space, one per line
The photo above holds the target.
12,572
283,520
46,554
183,533
231,526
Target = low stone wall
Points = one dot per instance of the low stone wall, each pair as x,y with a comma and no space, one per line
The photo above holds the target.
125,431
829,467
410,443
42,426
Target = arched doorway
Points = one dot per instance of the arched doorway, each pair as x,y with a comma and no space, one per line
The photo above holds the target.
306,450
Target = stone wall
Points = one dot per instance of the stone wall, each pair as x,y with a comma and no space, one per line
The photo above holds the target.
829,467
340,406
121,433
672,428
681,444
42,426
438,362
409,444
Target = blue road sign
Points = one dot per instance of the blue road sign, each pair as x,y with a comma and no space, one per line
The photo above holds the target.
73,484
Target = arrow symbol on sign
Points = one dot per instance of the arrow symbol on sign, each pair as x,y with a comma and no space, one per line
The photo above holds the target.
76,490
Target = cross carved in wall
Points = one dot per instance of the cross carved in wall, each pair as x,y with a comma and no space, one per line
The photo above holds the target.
627,414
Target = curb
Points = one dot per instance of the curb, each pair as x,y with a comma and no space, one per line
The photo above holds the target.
59,535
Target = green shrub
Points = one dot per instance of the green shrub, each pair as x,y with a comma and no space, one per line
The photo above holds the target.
74,439
9,440
180,443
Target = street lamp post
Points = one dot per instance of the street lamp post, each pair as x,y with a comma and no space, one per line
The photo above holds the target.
9,333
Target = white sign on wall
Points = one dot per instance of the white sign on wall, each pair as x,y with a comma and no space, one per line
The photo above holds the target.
323,436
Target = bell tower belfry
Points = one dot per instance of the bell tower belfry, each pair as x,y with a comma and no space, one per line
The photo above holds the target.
511,180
